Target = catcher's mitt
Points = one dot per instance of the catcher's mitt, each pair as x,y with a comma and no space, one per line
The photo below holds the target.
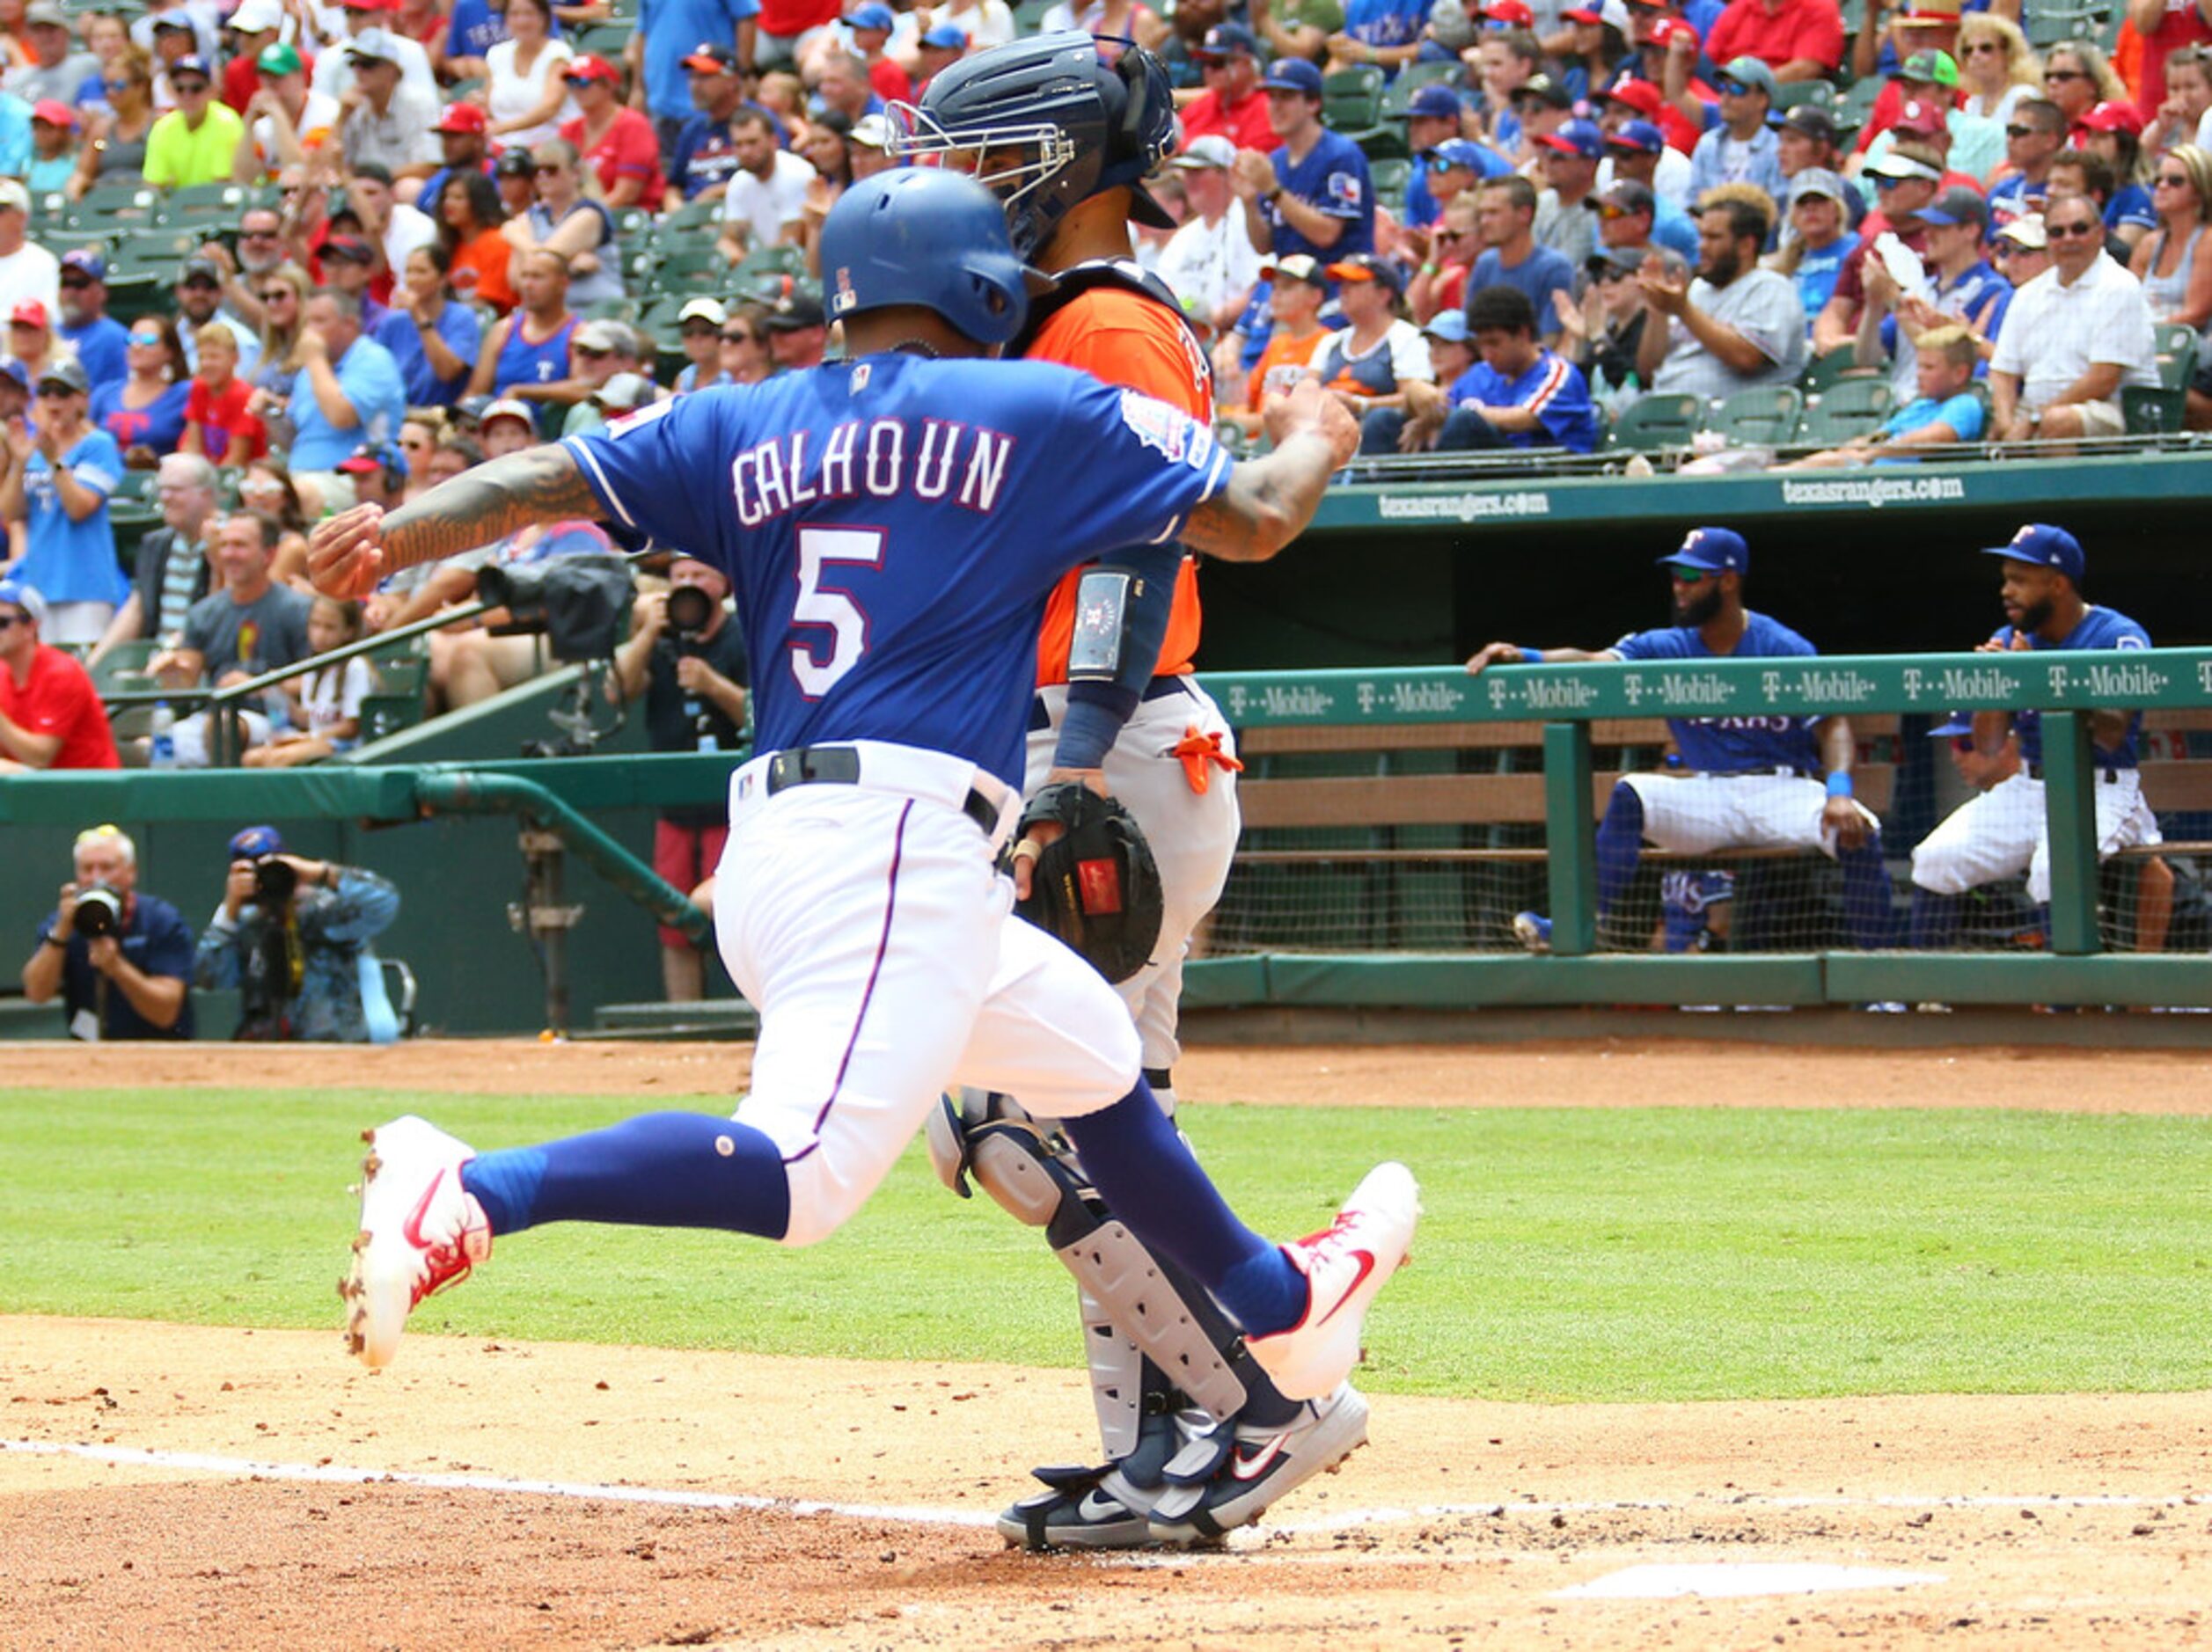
1097,888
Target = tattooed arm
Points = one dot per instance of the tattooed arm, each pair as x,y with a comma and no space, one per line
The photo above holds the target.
349,553
1269,501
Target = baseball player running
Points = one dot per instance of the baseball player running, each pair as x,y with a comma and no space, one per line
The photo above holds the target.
877,518
1065,128
2005,830
1744,782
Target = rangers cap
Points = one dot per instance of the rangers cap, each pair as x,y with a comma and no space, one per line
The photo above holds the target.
1711,551
1637,137
25,596
2046,547
1952,725
1433,102
256,841
1293,73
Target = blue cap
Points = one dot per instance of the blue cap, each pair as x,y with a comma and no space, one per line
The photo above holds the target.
1456,152
25,596
15,369
1953,725
86,262
2046,546
1433,102
1578,138
387,457
191,63
1714,550
256,841
1293,73
945,38
874,15
1227,40
1449,325
1639,135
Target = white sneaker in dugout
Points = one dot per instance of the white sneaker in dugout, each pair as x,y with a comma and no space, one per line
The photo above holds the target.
1264,1465
420,1231
1344,1266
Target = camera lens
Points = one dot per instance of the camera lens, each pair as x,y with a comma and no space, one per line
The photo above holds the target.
100,911
689,611
274,881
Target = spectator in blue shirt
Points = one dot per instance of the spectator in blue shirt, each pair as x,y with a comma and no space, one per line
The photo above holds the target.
1506,212
97,338
1945,410
1517,394
1820,239
461,137
704,157
436,351
1312,195
1385,32
1738,146
58,477
669,31
348,394
131,980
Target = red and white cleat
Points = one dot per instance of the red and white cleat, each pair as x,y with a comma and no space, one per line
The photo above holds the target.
420,1231
1344,1266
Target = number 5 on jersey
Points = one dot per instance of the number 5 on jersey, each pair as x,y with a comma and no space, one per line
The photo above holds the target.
820,605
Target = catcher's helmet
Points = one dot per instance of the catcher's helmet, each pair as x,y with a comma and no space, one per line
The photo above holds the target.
1070,123
919,236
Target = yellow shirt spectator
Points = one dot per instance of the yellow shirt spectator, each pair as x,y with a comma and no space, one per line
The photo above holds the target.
196,142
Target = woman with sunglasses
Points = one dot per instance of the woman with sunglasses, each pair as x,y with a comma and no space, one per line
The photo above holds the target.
419,437
117,145
283,295
744,348
438,353
56,480
144,410
1996,67
1603,334
268,486
2172,261
220,424
699,325
470,215
2077,78
568,218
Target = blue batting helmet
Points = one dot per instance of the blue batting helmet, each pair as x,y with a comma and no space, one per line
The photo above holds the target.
1059,118
926,236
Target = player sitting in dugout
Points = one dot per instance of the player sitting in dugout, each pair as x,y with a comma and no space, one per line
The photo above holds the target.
293,936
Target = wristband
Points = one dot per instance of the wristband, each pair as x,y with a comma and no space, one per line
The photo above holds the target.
52,939
1839,784
1428,269
1531,656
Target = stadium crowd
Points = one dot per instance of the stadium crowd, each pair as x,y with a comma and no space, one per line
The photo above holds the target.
261,264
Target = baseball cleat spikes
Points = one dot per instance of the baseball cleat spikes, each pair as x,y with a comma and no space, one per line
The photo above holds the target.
1345,1265
1265,1463
420,1231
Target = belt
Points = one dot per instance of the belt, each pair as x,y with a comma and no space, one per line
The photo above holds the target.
1158,688
841,766
2109,773
1785,771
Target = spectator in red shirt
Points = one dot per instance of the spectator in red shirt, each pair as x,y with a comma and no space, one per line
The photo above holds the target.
783,26
254,24
2165,25
616,141
219,424
1799,40
50,715
872,24
1233,104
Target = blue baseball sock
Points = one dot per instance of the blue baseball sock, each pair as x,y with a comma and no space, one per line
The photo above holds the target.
1869,911
1149,1179
1935,920
1620,846
657,1170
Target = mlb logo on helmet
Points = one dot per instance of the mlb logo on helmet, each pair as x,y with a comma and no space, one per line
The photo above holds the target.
845,297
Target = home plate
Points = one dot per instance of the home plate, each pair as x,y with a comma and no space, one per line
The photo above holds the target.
1720,1579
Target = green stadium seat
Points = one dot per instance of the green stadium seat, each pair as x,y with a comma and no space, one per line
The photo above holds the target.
1029,14
1385,141
1766,417
1420,73
111,205
1795,93
1389,179
125,658
1849,408
1657,421
606,40
205,203
773,261
2162,411
1351,98
1823,371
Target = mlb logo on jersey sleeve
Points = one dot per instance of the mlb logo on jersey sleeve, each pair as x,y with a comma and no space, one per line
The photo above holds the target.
1345,190
1167,430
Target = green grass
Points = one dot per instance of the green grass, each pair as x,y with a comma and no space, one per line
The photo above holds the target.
1631,1255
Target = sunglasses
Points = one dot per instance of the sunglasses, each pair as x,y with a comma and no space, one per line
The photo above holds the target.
277,295
1610,213
8,621
55,392
145,338
2179,181
71,282
2050,75
1975,48
1728,88
585,349
2019,131
1686,576
258,235
740,338
699,329
189,88
2072,231
1962,743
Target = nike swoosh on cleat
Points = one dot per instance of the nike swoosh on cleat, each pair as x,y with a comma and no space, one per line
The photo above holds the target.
1367,1267
411,1229
1252,1467
1097,1507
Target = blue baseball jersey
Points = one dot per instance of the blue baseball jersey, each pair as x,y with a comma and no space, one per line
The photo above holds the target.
2100,628
1386,22
891,561
1333,178
1553,389
1732,745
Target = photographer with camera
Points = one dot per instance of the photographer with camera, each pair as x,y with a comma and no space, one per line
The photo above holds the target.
293,935
121,960
688,662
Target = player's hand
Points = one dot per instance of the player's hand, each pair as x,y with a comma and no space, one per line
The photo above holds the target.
106,953
1493,653
1047,831
1309,410
1846,820
345,552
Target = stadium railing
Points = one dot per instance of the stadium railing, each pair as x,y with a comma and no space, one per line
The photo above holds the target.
1401,785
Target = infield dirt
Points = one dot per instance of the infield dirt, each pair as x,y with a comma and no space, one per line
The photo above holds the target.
2069,1521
